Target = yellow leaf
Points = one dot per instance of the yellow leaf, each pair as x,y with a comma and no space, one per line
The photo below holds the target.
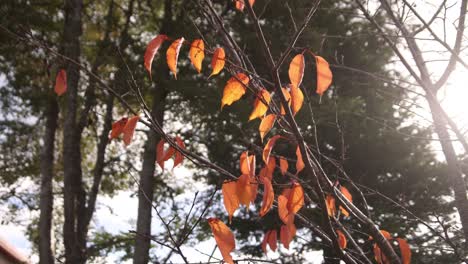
266,125
172,55
234,89
259,107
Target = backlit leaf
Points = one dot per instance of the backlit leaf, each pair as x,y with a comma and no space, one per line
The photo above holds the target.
283,165
283,211
270,239
61,82
234,89
287,233
287,96
247,163
117,127
330,203
341,239
268,196
268,147
405,251
296,70
259,107
348,196
299,162
270,167
244,190
151,51
217,62
224,238
296,198
240,4
178,155
297,98
230,199
324,75
266,125
129,129
197,54
172,55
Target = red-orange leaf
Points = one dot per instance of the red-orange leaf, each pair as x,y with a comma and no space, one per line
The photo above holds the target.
217,62
287,233
348,196
234,89
330,203
296,70
244,190
129,129
117,127
341,239
283,166
160,153
178,155
151,51
61,82
405,251
283,211
259,107
300,162
268,196
297,98
266,125
379,256
230,199
240,4
224,238
268,147
172,55
296,198
324,75
197,54
287,96
270,238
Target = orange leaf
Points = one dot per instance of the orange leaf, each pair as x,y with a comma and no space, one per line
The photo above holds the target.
230,199
129,129
266,125
253,189
324,75
61,82
178,155
341,239
117,127
151,51
405,251
270,238
268,196
386,234
348,196
300,162
247,163
224,238
379,256
330,203
283,166
259,107
283,211
244,190
296,70
240,4
172,55
270,167
287,233
268,147
296,198
197,54
160,153
297,98
234,89
217,63
287,96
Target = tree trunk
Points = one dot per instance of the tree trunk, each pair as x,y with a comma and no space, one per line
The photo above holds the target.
74,196
145,193
47,167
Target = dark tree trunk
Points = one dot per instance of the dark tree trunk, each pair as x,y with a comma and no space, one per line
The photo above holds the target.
47,173
74,196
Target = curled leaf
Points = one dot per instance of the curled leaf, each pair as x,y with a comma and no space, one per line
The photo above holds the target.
259,106
266,125
217,62
405,251
197,54
61,82
297,98
283,166
172,55
341,239
296,70
129,129
230,199
270,239
268,147
300,162
324,75
234,89
268,196
117,127
151,51
224,238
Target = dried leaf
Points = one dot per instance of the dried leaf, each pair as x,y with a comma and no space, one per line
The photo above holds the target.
172,55
297,98
268,196
270,238
61,82
224,238
287,96
217,62
129,129
330,203
179,157
152,49
341,239
299,162
324,75
268,147
117,127
296,70
348,196
283,166
244,190
197,54
405,251
234,89
266,125
230,199
259,107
